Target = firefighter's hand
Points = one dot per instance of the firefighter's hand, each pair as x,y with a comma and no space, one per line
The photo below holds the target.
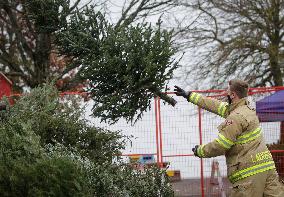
2,107
194,150
181,92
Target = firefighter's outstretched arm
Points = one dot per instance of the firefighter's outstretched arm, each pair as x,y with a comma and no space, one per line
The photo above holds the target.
228,134
209,104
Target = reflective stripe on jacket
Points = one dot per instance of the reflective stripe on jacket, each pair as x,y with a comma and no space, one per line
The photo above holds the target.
210,104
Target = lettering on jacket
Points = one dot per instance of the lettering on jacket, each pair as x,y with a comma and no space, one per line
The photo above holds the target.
266,155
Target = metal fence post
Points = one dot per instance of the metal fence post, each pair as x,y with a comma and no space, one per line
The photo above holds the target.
157,131
160,132
201,160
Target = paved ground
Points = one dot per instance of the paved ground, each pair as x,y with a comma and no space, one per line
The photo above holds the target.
192,187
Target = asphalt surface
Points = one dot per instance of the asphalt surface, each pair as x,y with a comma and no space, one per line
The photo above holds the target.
192,187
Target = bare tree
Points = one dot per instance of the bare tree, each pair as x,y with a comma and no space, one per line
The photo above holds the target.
27,36
235,38
130,11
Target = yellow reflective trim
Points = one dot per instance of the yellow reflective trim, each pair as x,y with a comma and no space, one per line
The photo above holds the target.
222,108
197,98
226,139
200,151
248,140
194,97
265,155
223,141
222,144
219,108
249,136
250,168
252,171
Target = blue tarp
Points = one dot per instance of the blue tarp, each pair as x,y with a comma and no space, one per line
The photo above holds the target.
271,108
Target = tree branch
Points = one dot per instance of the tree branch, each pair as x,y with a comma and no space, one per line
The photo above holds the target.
20,38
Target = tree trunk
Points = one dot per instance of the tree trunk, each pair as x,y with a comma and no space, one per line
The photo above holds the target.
275,67
166,98
41,58
275,45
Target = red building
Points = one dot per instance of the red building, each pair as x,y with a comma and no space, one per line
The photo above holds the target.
5,86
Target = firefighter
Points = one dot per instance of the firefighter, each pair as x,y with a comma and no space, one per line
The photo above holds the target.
250,166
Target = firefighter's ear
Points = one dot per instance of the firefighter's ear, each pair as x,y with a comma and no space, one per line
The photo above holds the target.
233,95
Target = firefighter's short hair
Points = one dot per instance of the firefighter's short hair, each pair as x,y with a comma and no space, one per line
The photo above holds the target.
240,87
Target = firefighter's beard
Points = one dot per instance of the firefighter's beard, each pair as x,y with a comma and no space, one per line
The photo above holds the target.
229,99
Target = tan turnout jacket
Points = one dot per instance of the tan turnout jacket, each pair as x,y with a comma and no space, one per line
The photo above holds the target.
240,138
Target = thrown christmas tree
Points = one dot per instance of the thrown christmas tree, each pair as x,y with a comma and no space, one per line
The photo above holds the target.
126,65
